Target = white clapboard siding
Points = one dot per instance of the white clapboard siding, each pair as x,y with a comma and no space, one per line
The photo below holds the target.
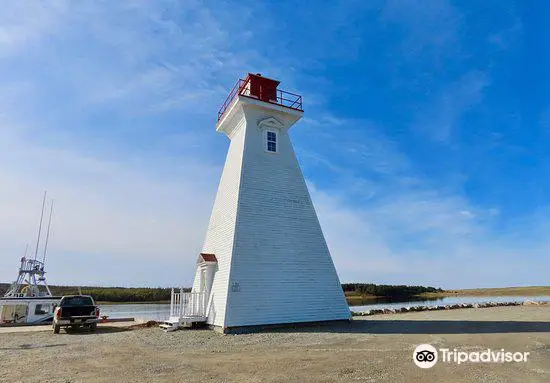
221,229
274,266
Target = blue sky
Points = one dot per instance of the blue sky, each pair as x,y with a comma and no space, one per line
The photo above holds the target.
424,142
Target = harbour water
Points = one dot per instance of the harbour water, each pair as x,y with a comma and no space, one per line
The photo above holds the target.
161,311
147,311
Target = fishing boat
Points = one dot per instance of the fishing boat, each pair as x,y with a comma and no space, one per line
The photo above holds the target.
29,299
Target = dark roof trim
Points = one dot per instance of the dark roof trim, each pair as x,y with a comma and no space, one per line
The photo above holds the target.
207,258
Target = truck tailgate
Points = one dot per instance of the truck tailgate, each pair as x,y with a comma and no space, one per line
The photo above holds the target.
77,311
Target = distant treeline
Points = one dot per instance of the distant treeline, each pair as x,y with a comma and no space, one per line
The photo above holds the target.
388,290
111,294
155,294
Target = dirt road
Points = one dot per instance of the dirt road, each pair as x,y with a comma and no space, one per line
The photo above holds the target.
370,349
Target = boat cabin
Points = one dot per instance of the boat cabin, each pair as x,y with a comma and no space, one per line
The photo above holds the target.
33,310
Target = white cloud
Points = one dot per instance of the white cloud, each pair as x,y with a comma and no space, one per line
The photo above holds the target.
138,57
108,210
120,206
23,24
440,117
133,195
386,223
411,239
431,31
357,140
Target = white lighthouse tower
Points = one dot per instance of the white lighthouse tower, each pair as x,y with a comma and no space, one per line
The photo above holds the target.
265,260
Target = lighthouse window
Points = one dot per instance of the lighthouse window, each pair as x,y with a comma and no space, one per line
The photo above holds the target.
272,142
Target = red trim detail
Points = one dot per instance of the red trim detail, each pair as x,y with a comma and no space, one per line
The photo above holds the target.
208,257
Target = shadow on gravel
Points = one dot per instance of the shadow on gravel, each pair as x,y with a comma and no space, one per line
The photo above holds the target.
31,346
99,330
425,327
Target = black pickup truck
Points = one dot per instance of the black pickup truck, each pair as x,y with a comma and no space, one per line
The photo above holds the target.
75,311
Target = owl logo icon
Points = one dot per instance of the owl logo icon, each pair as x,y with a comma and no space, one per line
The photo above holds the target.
425,356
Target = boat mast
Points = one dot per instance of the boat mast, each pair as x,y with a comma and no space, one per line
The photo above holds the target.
31,268
47,235
42,278
40,226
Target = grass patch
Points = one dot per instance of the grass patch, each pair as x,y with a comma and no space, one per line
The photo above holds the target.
528,291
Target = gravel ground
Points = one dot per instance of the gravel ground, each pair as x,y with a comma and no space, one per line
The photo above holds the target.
370,349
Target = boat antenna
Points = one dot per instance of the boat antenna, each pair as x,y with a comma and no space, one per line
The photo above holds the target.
26,249
47,234
40,226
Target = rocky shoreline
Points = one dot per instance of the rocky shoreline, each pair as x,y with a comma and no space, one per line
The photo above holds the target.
447,307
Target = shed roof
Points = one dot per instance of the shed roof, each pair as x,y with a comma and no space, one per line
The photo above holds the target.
207,258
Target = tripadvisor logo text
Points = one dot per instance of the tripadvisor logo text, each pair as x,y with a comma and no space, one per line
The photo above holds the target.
426,356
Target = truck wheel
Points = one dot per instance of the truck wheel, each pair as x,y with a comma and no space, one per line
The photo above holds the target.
93,327
56,329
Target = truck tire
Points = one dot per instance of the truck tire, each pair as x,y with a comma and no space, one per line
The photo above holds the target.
93,327
56,328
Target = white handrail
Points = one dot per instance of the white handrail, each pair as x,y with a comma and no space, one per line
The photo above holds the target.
187,304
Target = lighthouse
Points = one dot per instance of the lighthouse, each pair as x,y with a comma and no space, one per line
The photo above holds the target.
264,260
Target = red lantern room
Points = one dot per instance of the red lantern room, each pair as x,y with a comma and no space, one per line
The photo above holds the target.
263,89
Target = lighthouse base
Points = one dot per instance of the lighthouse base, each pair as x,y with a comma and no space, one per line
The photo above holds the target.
302,326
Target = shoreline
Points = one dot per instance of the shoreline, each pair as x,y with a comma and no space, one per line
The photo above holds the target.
448,307
528,291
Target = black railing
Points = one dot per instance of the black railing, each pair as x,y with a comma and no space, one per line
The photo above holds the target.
242,88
